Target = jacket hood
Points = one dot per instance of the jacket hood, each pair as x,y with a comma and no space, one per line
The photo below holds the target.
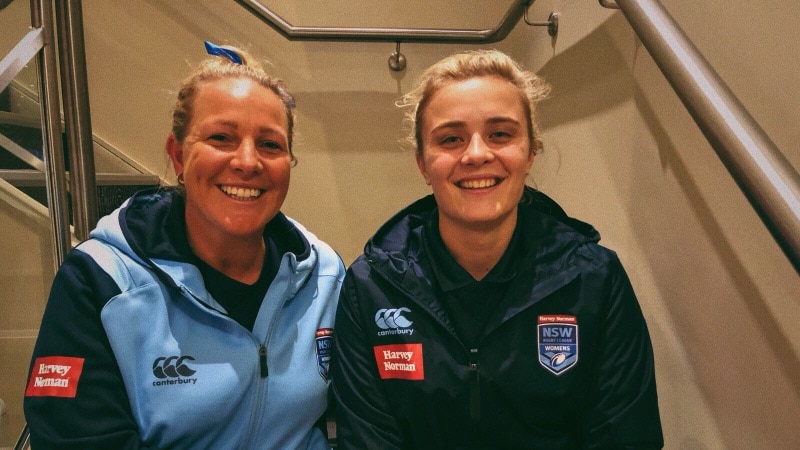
150,228
550,234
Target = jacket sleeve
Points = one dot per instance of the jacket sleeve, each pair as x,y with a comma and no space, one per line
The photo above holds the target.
622,411
363,413
75,397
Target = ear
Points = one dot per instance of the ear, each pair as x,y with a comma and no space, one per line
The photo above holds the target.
421,166
175,152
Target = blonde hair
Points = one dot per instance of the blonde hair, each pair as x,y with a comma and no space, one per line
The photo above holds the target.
472,64
218,68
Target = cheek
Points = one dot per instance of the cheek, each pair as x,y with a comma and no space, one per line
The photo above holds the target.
281,172
189,166
193,155
441,166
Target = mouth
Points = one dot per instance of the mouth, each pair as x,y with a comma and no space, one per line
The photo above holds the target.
240,193
481,183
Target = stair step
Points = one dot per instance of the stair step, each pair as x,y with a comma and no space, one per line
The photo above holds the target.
112,189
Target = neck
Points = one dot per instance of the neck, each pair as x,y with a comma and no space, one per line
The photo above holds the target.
477,248
240,259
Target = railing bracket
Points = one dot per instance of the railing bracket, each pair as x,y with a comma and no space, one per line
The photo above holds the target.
551,23
397,61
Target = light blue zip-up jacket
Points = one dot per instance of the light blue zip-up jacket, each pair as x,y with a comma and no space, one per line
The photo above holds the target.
134,352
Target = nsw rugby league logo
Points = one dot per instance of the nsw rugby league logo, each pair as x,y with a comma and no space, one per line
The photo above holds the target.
557,338
323,345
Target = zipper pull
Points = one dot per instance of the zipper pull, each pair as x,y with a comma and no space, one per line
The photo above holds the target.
474,386
262,357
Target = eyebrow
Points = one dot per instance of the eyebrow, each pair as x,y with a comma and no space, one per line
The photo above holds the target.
225,123
461,123
503,119
235,126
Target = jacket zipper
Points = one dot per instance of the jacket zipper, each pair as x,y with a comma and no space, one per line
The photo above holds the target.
474,365
474,386
264,372
262,358
262,348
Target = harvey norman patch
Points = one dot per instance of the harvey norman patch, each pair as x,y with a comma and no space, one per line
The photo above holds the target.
54,376
557,337
402,361
323,346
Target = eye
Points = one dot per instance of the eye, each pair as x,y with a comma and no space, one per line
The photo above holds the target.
271,146
218,137
501,134
450,141
504,135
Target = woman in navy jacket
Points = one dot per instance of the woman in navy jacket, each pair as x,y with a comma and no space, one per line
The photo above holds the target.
483,317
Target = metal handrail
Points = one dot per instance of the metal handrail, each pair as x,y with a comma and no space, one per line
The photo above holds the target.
768,180
419,35
78,127
55,179
24,441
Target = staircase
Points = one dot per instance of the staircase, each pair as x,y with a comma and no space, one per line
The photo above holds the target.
21,156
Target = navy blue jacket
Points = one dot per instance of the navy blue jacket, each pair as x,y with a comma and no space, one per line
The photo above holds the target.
564,363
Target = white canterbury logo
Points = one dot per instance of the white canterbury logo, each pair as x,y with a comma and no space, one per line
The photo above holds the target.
393,322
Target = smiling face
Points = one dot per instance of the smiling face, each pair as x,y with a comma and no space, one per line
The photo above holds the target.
476,152
234,159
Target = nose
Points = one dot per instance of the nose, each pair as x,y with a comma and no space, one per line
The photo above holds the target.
246,159
477,151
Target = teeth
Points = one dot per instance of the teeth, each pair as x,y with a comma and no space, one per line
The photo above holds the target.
478,184
241,193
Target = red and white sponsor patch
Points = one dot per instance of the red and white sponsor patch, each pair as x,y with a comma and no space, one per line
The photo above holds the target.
558,318
54,376
400,361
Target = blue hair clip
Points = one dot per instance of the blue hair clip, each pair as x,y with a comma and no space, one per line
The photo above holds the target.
216,50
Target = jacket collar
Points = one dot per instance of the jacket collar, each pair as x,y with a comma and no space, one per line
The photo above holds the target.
549,239
150,228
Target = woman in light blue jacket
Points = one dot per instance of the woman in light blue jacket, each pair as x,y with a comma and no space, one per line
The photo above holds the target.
197,316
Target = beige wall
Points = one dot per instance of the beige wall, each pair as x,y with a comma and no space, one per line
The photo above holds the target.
25,271
720,297
621,152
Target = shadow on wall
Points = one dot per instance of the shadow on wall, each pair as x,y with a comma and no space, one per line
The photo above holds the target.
745,362
598,77
353,172
748,343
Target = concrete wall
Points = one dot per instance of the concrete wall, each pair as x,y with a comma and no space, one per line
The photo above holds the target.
621,152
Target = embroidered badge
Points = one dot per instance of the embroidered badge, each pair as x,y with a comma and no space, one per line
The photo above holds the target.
402,361
55,376
558,342
323,347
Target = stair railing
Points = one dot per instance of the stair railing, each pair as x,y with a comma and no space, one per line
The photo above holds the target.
762,172
78,127
516,11
427,35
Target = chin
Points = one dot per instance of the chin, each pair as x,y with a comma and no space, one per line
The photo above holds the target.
244,228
